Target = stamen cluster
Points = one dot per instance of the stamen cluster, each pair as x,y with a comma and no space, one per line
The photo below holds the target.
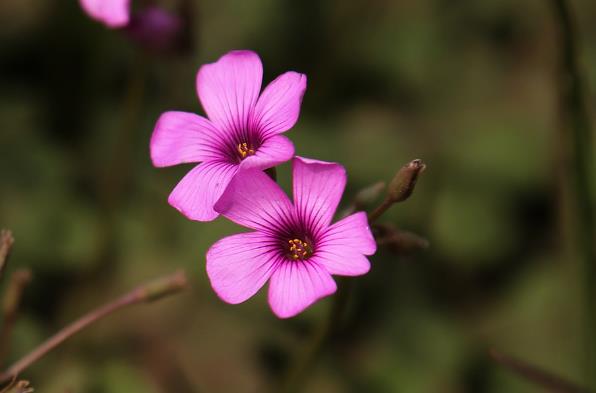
244,149
299,249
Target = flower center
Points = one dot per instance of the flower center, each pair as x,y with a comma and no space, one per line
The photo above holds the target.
299,249
245,150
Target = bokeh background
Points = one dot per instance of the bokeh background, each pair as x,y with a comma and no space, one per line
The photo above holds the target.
467,86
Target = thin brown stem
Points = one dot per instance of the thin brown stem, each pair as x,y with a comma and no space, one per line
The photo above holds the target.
380,210
576,132
145,293
6,242
12,301
552,383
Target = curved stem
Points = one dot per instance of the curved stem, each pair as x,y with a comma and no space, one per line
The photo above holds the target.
12,301
379,210
144,293
6,242
546,379
577,135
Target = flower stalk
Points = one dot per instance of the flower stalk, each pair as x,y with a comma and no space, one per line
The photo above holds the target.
552,383
576,133
12,301
6,242
146,293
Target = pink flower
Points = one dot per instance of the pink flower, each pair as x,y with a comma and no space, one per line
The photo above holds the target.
294,246
113,13
242,132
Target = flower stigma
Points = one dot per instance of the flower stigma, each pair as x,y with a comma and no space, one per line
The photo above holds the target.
245,150
299,249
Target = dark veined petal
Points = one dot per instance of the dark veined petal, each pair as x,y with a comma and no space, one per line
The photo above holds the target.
295,285
229,88
199,190
352,231
278,107
318,187
274,151
181,137
239,265
341,249
255,201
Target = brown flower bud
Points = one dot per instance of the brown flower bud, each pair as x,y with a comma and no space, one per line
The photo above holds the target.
402,185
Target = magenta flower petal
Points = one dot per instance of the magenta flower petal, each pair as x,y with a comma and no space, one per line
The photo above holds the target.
278,106
181,137
113,13
343,246
239,265
198,191
296,285
353,232
229,88
255,201
318,186
274,151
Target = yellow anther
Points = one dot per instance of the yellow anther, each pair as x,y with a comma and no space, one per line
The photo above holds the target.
299,249
245,150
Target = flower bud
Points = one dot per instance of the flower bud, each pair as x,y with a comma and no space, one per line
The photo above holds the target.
402,185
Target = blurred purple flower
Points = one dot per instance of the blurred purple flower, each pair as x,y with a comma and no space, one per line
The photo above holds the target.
157,29
154,28
113,13
294,246
242,131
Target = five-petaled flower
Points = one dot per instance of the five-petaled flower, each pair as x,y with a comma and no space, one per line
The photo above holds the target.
294,245
242,131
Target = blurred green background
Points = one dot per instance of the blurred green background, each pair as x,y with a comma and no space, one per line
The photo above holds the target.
467,86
